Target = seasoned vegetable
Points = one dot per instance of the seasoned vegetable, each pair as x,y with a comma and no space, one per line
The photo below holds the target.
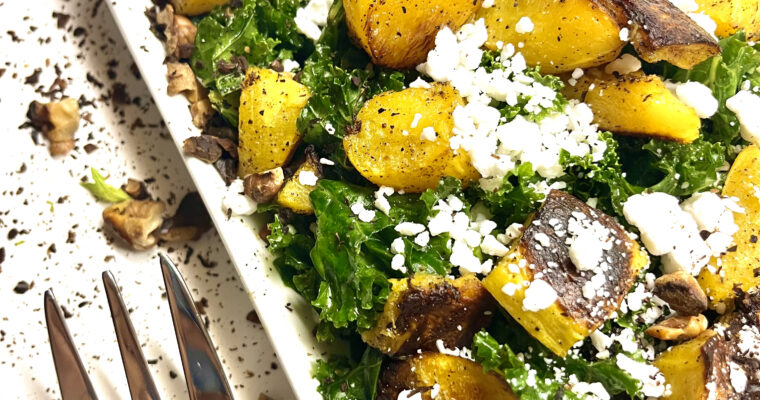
399,33
567,34
636,104
661,31
295,192
195,7
738,267
401,139
425,308
732,16
542,255
269,108
721,363
450,376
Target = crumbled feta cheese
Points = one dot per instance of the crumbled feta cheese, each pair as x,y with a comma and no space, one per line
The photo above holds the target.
487,3
586,251
419,83
697,96
428,133
601,341
329,128
397,246
463,352
236,202
361,212
590,391
738,377
626,64
307,178
311,18
745,105
524,25
538,296
325,161
289,65
416,120
397,263
493,247
652,380
409,394
577,73
409,228
510,288
624,35
422,239
381,202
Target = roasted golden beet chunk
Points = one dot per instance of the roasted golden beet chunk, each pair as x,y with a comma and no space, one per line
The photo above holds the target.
425,308
569,301
456,379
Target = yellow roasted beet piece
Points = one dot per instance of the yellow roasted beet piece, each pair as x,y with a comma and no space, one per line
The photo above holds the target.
195,7
400,33
426,308
294,194
637,104
733,15
457,379
738,267
269,106
388,147
687,366
567,34
572,317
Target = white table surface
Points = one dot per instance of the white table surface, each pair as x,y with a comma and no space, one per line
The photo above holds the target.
46,202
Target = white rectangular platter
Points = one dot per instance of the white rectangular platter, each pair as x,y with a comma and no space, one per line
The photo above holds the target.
288,319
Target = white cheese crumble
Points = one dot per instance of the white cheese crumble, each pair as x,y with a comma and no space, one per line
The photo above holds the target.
236,202
685,235
289,65
588,391
464,352
652,380
539,296
496,146
409,394
329,128
416,120
307,178
487,3
624,35
419,83
625,64
745,105
310,19
325,161
409,228
397,263
361,212
381,202
737,376
428,133
524,25
695,95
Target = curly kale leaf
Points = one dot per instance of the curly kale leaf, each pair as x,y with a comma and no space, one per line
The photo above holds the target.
340,378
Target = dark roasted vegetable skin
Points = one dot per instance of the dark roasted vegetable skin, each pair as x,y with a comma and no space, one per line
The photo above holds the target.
457,378
661,31
424,308
568,320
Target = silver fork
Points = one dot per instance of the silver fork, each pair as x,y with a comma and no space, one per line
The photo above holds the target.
203,371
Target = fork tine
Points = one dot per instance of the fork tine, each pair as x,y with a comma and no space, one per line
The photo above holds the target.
141,386
72,376
203,371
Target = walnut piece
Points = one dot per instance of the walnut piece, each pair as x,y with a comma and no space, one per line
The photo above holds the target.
135,221
262,187
201,112
182,80
681,327
58,121
682,293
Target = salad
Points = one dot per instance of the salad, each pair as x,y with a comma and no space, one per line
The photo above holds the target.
493,198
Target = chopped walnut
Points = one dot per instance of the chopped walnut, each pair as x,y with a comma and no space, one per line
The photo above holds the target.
135,221
58,121
189,222
682,293
681,327
201,112
262,187
182,80
184,30
136,189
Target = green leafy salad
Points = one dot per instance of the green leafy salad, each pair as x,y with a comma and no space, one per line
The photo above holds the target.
471,226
